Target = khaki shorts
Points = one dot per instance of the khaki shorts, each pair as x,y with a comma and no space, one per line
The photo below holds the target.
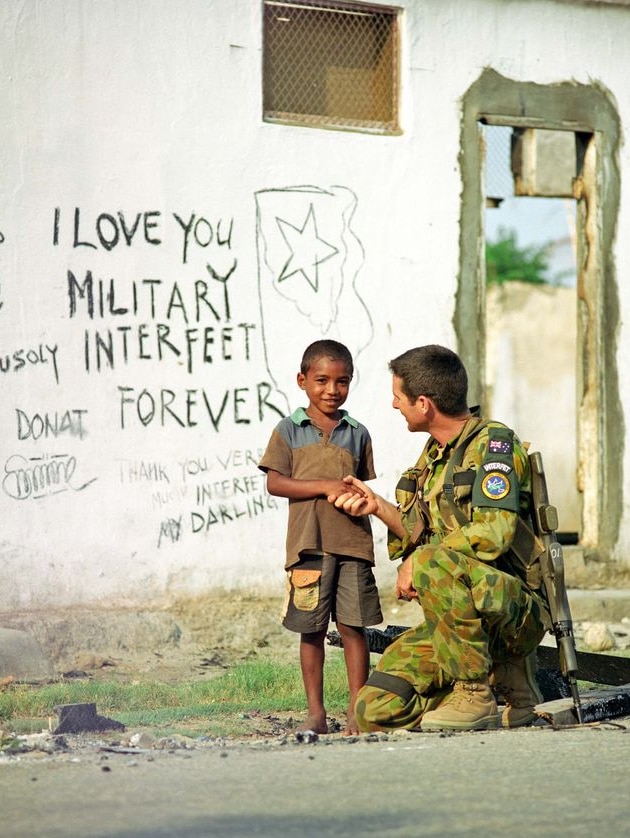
329,587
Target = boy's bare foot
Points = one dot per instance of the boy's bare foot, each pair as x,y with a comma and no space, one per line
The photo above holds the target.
351,728
315,723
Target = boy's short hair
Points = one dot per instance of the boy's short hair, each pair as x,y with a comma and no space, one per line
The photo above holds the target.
326,349
436,372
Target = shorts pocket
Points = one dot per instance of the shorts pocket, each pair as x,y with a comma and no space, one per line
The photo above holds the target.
305,588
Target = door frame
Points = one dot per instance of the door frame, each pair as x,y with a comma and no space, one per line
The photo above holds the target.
587,111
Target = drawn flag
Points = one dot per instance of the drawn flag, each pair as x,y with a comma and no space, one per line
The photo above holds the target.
308,261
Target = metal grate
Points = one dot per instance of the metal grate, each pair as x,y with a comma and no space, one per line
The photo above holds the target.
331,65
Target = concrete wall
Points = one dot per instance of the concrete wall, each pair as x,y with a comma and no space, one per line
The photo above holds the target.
534,380
133,157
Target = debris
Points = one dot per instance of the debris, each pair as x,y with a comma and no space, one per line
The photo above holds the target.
88,660
613,670
599,637
78,718
306,737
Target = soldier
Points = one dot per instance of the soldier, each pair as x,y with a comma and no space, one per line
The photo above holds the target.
458,527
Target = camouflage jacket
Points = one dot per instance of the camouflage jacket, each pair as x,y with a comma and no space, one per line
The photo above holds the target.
475,507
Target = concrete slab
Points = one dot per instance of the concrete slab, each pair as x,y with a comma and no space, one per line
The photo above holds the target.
608,605
597,706
22,658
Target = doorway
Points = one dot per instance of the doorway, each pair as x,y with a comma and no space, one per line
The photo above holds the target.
531,352
587,114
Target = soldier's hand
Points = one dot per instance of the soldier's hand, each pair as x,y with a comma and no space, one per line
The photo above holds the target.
357,500
404,583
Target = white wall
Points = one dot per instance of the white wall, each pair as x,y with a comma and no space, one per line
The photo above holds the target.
148,112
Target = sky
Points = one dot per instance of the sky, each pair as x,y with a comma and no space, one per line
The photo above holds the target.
537,221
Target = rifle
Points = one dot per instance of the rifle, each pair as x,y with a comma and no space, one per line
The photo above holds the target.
545,524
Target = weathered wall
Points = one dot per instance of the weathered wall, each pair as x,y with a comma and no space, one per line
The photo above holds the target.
535,379
139,196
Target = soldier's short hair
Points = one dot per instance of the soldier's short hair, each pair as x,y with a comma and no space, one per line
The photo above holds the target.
436,372
327,349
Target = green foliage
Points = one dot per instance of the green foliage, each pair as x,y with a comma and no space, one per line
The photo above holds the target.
507,262
260,686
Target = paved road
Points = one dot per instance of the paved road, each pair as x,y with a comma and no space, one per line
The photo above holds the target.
529,782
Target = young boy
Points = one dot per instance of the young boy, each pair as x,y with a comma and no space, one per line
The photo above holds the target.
329,553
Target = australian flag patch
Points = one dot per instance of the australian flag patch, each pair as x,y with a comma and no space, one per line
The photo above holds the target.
500,446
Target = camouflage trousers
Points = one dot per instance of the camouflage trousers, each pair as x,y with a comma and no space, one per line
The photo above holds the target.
474,614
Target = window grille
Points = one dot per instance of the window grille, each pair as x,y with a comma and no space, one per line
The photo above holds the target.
331,65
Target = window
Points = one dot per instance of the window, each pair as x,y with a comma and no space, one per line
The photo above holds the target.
331,65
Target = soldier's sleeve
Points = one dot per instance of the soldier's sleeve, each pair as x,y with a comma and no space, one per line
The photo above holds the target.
502,466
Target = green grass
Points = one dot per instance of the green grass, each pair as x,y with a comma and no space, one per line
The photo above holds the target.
216,707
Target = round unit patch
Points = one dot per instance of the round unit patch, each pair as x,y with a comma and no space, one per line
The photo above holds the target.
495,485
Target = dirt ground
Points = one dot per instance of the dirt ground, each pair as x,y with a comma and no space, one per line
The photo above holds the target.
191,638
187,640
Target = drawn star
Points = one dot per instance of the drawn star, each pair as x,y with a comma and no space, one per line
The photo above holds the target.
308,250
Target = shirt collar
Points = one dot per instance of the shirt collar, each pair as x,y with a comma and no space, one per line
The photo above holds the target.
301,417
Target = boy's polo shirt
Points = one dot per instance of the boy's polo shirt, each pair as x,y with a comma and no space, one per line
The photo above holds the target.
299,449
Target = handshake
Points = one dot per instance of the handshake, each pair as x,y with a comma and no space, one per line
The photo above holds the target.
353,497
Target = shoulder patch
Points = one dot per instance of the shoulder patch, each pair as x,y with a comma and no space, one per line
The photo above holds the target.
496,484
496,466
500,446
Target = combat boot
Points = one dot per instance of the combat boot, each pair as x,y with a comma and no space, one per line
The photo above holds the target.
470,706
515,681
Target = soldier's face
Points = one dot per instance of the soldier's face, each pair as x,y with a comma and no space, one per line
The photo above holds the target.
411,410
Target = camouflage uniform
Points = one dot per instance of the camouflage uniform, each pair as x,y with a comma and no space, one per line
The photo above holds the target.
478,597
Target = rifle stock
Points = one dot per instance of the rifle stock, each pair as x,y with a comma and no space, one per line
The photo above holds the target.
545,523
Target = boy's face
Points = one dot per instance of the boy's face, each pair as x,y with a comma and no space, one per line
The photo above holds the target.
326,384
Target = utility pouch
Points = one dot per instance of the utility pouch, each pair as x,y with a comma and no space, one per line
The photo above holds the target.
525,552
305,585
407,489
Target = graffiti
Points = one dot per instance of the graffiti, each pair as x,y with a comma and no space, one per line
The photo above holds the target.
230,513
204,233
171,530
37,425
207,488
142,472
149,299
184,323
230,487
111,230
309,259
200,320
165,497
152,300
36,477
236,458
116,347
23,358
307,250
238,405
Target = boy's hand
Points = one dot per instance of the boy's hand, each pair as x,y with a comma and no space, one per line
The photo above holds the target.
355,498
337,488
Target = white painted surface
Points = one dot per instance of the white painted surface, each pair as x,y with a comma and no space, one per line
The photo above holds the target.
152,109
